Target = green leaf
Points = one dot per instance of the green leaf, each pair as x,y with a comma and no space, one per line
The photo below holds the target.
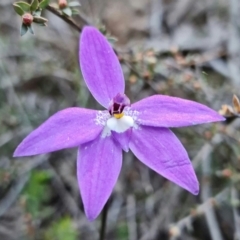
112,40
74,4
42,24
24,29
122,231
37,13
37,192
38,19
18,9
67,11
62,230
24,6
34,5
75,11
43,4
30,29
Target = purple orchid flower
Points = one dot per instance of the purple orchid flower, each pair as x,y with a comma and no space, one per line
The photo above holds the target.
102,135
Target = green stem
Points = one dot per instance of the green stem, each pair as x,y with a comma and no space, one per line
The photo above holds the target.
104,222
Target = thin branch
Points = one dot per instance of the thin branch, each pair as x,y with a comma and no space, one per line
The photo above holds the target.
72,23
67,19
233,42
206,194
131,217
234,197
13,194
186,222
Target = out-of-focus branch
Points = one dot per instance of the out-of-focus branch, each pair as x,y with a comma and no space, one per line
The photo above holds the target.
234,197
73,24
12,194
233,42
131,218
205,195
163,214
67,19
186,222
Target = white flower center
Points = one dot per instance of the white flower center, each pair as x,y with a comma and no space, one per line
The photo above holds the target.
118,122
120,125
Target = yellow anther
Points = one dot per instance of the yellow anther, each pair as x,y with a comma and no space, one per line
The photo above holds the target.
118,115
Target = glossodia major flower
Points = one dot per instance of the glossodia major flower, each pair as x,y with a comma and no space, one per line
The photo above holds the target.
102,135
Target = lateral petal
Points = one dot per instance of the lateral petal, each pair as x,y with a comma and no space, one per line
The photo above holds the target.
161,151
65,129
166,111
100,66
98,167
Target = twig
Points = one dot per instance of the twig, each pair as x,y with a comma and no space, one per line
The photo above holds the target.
233,42
186,221
104,221
131,217
205,195
234,197
67,19
12,194
66,197
207,149
218,138
156,18
72,23
162,214
203,58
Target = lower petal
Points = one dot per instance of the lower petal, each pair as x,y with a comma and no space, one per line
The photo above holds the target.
161,151
123,139
98,167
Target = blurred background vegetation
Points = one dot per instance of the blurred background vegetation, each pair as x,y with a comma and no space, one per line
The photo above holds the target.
184,48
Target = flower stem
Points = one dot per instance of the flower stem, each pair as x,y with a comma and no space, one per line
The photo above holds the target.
104,221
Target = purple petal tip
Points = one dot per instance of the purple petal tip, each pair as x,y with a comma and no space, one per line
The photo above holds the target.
16,154
195,191
90,218
221,118
20,151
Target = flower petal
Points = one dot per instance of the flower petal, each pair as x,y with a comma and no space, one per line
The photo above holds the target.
123,139
65,129
120,125
160,150
98,167
100,66
166,111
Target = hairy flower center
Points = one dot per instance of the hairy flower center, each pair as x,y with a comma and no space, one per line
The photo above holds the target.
119,121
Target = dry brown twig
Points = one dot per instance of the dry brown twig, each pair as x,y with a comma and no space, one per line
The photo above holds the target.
177,228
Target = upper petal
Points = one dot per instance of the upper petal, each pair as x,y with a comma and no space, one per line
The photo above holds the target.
67,128
100,66
160,150
98,167
166,111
